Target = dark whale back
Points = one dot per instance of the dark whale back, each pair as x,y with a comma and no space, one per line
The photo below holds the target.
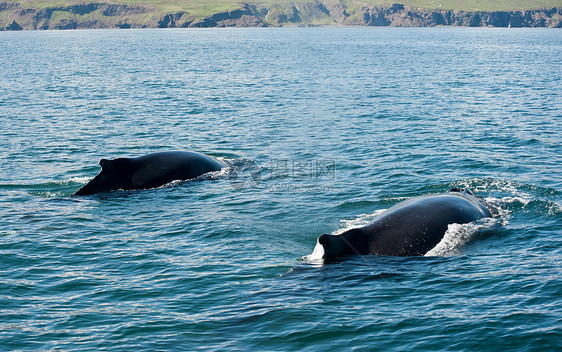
149,171
410,228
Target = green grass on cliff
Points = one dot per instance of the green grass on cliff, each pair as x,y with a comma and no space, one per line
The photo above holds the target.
206,7
201,8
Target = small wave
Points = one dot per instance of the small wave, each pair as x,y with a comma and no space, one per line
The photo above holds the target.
503,208
506,197
48,189
552,208
243,173
498,186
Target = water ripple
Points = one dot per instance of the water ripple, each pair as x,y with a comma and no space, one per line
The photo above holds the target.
383,114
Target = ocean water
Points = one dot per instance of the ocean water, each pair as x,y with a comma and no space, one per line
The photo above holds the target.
322,129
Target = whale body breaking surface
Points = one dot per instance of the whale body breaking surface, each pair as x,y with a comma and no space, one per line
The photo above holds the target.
410,228
149,171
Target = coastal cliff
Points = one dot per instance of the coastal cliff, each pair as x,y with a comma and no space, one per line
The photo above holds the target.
18,16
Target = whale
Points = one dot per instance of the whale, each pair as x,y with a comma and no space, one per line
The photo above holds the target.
410,228
149,171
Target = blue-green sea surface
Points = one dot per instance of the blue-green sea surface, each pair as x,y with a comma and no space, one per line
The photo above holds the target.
321,129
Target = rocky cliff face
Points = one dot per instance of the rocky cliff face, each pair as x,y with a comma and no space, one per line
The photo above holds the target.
405,16
93,15
314,12
246,16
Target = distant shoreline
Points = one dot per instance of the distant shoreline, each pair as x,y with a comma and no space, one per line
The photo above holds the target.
98,15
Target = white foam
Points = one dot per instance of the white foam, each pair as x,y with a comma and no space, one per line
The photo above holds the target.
360,221
500,207
83,179
218,174
457,235
317,254
225,171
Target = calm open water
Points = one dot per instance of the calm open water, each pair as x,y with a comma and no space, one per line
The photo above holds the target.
322,129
